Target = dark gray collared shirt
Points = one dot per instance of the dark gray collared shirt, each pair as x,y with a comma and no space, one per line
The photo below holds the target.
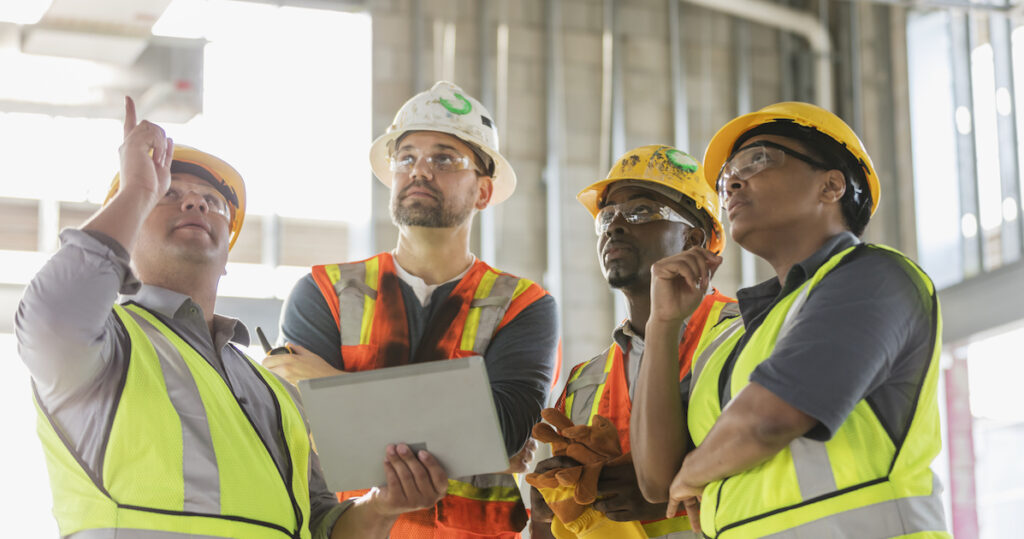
865,332
77,351
520,359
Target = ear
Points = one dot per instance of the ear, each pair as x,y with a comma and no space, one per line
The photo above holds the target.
485,188
833,187
695,237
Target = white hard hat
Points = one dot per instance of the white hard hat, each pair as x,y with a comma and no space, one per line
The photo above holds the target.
447,109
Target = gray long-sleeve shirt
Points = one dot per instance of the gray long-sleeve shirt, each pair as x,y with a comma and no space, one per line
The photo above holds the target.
76,350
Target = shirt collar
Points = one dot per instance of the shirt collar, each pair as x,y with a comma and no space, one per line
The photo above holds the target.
175,306
425,291
415,281
625,336
754,299
810,265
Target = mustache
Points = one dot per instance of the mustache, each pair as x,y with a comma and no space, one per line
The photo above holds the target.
420,184
619,243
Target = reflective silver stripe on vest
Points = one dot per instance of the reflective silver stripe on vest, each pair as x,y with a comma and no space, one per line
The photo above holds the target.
810,458
702,360
199,463
123,533
593,375
794,309
813,468
687,534
729,310
351,289
892,518
489,480
492,310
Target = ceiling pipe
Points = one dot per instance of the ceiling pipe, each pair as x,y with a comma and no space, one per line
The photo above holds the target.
790,20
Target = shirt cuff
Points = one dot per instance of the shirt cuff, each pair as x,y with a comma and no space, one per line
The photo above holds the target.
104,246
330,518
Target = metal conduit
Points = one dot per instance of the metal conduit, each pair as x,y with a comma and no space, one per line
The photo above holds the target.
790,20
555,94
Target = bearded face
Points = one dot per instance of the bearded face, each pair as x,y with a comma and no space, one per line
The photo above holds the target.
436,182
423,203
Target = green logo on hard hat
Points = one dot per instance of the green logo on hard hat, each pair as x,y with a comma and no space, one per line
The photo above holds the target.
682,160
464,109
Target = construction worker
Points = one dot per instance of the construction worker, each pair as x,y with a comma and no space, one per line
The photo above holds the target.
431,299
813,414
153,422
653,204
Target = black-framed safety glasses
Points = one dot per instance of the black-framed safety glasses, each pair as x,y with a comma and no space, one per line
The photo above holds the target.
759,156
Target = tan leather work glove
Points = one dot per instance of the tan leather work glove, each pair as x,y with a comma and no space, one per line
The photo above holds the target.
570,491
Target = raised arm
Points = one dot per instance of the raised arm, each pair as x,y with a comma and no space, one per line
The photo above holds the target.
658,433
63,322
146,156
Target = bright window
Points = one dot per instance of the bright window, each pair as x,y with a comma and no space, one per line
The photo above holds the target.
997,405
287,101
986,137
934,149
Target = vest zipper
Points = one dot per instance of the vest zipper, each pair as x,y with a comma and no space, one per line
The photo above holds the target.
287,456
299,521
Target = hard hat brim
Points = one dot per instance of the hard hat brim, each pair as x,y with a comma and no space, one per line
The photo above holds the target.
504,177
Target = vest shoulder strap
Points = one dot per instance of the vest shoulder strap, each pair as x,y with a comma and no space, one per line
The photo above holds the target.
494,293
702,360
729,310
499,298
350,290
585,386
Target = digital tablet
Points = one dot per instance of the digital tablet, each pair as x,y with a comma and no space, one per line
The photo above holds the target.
444,407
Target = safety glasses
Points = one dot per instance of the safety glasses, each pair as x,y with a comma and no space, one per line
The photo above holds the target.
443,161
215,202
637,212
757,157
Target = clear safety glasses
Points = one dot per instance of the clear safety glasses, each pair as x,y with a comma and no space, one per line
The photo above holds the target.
637,212
215,203
756,158
439,162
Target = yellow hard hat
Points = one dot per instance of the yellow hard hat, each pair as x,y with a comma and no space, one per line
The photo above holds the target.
668,167
803,114
214,170
446,108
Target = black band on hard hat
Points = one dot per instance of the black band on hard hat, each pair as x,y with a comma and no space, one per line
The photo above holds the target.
828,149
484,161
184,167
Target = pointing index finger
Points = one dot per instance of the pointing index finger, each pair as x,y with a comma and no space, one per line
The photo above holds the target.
129,116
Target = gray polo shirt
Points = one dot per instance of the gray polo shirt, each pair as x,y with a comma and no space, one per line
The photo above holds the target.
77,352
867,331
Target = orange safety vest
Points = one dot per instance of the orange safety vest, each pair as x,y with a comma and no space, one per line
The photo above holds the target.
366,301
599,387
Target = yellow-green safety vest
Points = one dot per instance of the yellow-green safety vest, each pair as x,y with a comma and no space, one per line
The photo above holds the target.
181,457
857,484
